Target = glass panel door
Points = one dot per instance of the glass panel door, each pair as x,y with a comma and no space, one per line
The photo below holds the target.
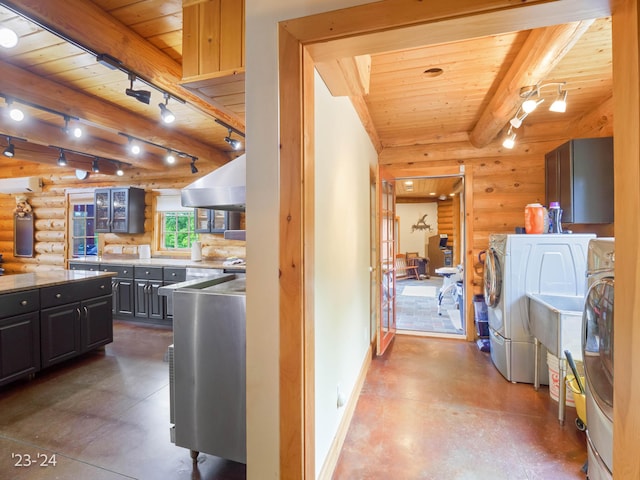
219,221
103,210
119,204
202,220
386,224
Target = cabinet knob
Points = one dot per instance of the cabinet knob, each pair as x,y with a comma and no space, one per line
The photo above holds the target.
146,273
102,287
24,303
58,295
173,274
125,271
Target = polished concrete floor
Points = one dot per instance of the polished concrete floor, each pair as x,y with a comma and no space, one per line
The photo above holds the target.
430,409
435,409
104,416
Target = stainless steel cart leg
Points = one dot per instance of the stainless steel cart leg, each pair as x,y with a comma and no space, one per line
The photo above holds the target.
562,394
536,358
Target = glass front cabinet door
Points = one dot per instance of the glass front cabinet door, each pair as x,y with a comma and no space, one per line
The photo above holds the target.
211,221
103,210
119,210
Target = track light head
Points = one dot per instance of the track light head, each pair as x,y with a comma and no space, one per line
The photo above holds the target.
62,159
166,114
10,150
119,171
510,140
95,167
143,96
194,169
170,158
15,113
233,143
134,148
8,38
559,105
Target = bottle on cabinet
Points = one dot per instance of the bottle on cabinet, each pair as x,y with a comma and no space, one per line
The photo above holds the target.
555,218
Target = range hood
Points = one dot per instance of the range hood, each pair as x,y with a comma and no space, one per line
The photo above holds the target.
223,189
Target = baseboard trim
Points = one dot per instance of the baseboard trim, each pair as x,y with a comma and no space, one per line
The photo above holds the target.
338,441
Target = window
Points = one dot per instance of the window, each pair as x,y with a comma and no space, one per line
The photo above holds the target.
178,230
83,241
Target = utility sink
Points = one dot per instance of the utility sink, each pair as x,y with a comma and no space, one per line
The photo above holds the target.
556,321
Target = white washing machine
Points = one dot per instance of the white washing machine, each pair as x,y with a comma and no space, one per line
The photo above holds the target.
519,264
597,352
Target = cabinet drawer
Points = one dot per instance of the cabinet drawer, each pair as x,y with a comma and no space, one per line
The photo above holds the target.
74,292
20,302
175,274
93,267
123,271
148,273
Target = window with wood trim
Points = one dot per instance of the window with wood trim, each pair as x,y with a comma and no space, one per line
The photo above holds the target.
177,230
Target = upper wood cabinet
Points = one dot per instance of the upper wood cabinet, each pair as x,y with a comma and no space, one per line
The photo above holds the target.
212,38
119,210
579,175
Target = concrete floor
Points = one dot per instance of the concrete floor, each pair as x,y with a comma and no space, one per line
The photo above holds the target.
434,409
430,409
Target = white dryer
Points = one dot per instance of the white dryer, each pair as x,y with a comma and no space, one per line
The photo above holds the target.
514,266
597,352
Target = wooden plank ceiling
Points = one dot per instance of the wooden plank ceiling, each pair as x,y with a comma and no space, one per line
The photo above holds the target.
472,99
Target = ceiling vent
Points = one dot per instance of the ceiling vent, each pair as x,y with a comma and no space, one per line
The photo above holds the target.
21,185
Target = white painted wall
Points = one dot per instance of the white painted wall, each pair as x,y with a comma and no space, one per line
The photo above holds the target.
344,155
415,240
262,148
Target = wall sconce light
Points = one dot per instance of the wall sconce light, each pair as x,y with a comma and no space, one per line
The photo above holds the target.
15,113
10,150
8,38
194,169
143,96
166,114
62,159
95,167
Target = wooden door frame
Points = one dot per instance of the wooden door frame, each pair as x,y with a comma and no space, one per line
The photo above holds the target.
395,24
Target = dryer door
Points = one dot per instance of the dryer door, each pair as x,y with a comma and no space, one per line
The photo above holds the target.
597,343
492,278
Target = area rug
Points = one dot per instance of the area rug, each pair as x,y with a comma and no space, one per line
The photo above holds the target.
419,291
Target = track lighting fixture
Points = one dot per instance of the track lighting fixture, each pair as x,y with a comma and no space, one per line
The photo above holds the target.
170,158
15,113
531,100
166,114
510,140
119,171
143,96
559,105
194,169
62,159
134,148
233,143
95,167
75,132
8,38
10,150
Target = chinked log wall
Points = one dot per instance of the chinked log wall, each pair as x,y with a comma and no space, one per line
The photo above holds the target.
504,181
50,211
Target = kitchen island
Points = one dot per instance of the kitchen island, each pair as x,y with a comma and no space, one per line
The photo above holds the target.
50,317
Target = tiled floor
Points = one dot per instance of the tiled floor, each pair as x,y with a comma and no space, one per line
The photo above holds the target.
438,409
420,313
104,416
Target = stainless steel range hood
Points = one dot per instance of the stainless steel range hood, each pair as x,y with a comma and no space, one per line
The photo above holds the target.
223,189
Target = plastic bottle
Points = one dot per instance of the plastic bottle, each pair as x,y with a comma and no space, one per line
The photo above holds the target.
534,218
555,218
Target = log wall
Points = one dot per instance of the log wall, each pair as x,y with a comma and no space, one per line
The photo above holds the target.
50,210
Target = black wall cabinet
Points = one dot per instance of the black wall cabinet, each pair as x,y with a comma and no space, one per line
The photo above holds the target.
579,175
119,210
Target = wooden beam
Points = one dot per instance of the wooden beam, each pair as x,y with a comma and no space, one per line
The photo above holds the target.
540,54
93,28
20,84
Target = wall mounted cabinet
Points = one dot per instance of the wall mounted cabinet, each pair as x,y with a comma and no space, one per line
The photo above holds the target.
216,221
119,210
579,175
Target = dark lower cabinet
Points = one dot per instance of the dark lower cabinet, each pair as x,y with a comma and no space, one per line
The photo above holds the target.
19,346
148,304
96,323
123,297
60,333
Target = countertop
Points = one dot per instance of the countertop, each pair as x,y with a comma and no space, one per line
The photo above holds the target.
29,281
160,262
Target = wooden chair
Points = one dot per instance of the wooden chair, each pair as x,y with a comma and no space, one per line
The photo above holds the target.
403,270
414,259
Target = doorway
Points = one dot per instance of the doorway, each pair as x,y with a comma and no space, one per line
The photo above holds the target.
430,219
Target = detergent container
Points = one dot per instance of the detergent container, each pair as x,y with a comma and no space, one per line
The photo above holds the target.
534,218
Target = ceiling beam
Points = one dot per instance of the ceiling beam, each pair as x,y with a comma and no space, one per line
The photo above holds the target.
21,84
90,26
540,54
